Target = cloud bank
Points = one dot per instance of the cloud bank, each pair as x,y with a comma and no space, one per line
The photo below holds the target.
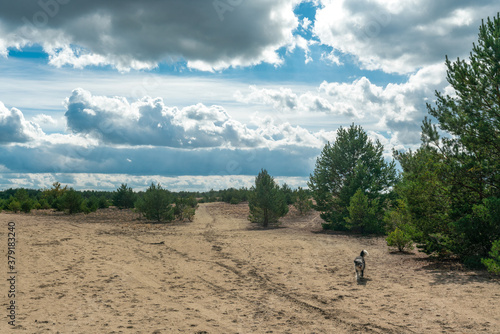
109,135
148,121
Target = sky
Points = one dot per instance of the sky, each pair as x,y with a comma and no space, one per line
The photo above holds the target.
203,94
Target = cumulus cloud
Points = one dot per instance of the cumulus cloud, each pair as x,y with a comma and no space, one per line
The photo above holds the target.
281,99
15,129
148,121
44,119
396,108
285,100
401,36
399,108
284,134
208,35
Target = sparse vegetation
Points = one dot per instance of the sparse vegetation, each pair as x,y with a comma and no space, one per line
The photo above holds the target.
303,201
493,263
185,208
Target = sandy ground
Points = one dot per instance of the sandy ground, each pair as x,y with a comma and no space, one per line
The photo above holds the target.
110,272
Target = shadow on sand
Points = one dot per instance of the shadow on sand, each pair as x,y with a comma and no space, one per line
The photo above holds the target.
451,271
257,227
363,281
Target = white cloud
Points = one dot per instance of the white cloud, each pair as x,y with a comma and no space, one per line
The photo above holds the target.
15,129
401,36
399,108
303,44
148,121
283,99
44,119
286,135
331,58
395,108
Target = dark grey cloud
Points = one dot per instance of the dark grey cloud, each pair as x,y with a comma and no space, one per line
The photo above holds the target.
205,33
67,158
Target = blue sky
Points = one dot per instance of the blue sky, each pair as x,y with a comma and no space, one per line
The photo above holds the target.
203,94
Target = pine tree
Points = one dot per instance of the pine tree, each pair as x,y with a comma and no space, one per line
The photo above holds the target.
266,201
72,201
470,147
124,197
362,216
353,162
156,204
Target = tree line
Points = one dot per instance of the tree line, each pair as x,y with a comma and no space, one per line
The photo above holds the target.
156,203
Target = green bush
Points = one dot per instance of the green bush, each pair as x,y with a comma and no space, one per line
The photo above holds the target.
156,204
399,239
92,204
302,202
53,196
288,193
493,263
398,220
27,205
103,203
188,213
14,206
44,204
185,208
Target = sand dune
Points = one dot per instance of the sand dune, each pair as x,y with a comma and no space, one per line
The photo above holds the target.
111,272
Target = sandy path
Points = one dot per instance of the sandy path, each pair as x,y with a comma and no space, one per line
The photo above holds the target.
111,273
